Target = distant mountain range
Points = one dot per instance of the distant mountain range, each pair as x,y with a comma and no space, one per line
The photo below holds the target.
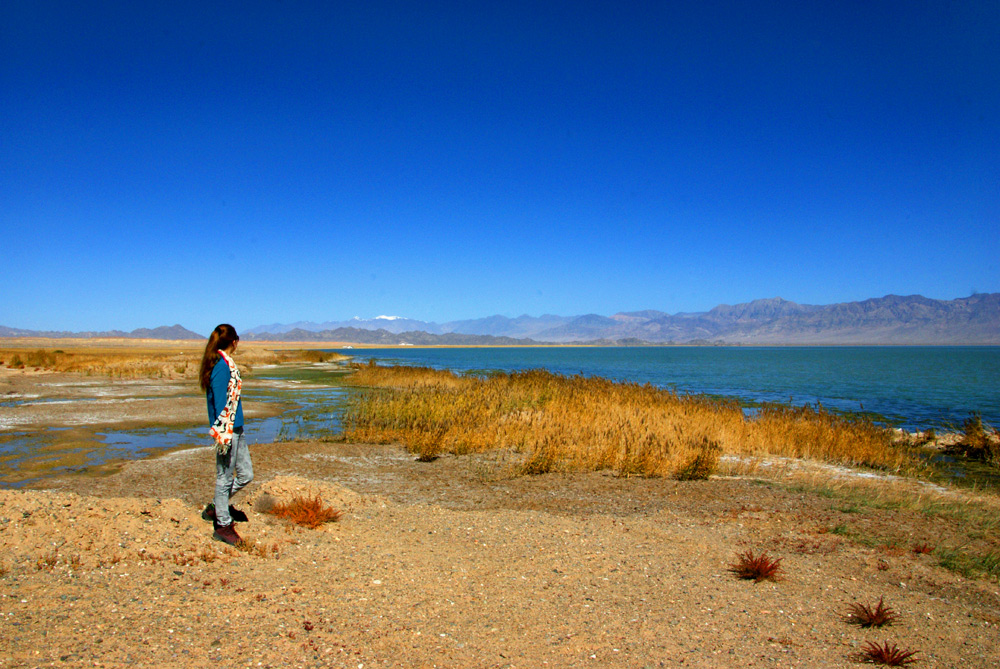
173,332
892,319
385,338
497,326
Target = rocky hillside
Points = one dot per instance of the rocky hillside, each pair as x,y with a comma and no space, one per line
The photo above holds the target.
892,319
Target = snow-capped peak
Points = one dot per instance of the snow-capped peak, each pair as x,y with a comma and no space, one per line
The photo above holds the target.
388,318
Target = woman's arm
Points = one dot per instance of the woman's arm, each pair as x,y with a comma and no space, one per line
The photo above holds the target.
218,390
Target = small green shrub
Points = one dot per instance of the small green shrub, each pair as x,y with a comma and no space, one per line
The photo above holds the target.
40,358
977,442
973,431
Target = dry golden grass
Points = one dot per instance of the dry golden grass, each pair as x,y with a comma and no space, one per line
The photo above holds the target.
258,549
127,360
558,423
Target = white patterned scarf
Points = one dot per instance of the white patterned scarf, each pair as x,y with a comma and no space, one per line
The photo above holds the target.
222,428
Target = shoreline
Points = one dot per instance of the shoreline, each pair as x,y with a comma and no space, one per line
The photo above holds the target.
174,404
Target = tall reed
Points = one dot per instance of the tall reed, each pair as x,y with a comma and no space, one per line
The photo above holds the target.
560,423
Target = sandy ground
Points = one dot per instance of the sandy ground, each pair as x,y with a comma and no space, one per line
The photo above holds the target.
441,565
434,565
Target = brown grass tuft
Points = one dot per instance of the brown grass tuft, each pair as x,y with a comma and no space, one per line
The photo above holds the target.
306,511
207,556
756,567
265,503
879,615
979,442
886,654
703,464
252,548
47,562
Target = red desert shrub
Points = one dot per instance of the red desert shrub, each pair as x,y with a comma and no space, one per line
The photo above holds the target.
756,567
886,654
306,511
871,616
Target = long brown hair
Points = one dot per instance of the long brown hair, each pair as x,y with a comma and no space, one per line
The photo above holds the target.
222,337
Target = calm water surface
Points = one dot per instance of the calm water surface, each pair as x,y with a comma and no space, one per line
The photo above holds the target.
915,387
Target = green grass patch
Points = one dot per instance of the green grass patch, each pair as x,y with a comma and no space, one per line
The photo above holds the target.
851,508
968,564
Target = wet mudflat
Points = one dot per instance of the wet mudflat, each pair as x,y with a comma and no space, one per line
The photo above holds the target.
53,424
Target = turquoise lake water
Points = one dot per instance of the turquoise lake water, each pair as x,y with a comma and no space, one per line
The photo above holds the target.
914,387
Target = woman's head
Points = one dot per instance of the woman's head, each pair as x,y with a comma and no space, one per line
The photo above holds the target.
223,338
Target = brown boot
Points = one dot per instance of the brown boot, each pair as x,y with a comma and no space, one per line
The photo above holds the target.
227,534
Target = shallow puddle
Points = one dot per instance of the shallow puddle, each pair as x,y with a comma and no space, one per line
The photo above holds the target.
312,394
963,472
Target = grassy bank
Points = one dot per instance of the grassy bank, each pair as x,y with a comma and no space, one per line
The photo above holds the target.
555,423
536,422
131,360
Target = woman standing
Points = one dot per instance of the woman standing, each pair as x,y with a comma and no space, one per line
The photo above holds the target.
220,379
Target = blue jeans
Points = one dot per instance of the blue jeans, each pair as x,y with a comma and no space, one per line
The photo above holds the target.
233,471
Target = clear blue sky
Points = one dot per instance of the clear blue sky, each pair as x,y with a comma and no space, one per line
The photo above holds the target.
258,162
